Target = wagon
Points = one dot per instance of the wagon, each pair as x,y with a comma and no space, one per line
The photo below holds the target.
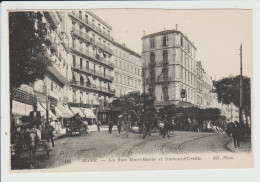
73,127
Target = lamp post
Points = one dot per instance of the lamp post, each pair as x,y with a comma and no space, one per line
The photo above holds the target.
241,86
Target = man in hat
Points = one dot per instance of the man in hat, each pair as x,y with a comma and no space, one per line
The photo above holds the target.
35,117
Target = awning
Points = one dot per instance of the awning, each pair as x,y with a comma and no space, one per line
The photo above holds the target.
89,113
84,77
111,86
66,112
76,75
51,115
19,108
91,80
76,110
58,112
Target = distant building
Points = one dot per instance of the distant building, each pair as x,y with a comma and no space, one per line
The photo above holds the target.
169,60
128,68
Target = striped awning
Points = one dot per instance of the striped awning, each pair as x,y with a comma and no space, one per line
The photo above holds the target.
76,110
89,113
91,80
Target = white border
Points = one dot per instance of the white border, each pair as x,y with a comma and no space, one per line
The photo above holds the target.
237,175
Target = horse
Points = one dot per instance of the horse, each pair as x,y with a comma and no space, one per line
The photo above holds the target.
32,143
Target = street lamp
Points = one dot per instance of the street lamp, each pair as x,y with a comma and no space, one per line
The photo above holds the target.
143,75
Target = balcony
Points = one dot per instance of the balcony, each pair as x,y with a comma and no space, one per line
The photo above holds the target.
90,25
50,17
92,88
94,57
164,79
79,68
56,73
152,64
53,94
87,38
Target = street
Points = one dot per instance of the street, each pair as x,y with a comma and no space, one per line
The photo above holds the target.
103,144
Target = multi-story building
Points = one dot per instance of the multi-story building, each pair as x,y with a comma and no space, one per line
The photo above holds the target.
169,60
207,90
91,64
51,93
128,68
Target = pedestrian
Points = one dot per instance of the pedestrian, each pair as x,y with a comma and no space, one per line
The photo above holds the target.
119,123
110,125
98,125
125,126
49,129
166,127
35,119
56,126
237,134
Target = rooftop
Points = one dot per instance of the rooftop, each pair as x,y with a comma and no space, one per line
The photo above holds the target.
168,32
99,19
123,46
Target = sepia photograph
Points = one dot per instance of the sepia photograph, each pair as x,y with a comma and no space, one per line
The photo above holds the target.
130,89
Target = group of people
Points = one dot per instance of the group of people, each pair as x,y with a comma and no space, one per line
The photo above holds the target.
123,124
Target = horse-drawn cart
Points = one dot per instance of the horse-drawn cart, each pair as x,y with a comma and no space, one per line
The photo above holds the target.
25,141
75,127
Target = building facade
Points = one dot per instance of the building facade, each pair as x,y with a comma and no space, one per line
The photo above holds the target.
169,61
51,92
92,67
128,68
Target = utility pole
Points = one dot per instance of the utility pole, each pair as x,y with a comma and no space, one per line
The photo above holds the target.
144,95
47,100
241,86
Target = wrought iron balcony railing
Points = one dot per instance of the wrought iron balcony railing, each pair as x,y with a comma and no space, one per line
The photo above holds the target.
94,57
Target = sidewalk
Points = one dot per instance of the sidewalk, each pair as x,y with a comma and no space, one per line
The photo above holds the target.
91,128
244,146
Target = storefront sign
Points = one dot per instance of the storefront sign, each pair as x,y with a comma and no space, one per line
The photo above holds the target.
23,97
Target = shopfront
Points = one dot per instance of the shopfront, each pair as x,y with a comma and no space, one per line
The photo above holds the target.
22,105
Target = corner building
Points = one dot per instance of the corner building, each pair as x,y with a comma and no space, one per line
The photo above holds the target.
128,68
169,61
92,68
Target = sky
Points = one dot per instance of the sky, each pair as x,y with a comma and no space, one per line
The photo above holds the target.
217,34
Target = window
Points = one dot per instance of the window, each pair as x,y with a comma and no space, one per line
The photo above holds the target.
165,57
87,65
51,86
120,81
74,96
120,64
152,43
124,66
80,15
86,18
165,94
152,58
81,80
116,63
181,42
74,61
165,40
73,43
81,63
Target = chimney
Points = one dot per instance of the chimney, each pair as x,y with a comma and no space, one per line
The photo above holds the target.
176,27
144,32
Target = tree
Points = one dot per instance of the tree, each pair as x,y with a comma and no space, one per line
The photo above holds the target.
228,92
27,48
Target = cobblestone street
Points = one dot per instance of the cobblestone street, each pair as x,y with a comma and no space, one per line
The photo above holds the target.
102,144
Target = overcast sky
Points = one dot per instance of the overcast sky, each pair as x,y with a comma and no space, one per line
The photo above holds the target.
217,34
